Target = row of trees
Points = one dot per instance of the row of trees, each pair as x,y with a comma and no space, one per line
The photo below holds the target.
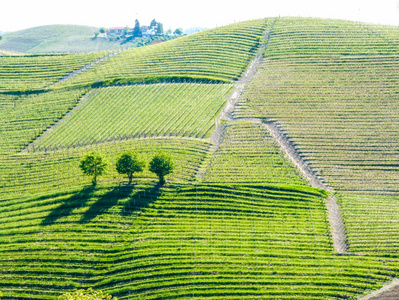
129,162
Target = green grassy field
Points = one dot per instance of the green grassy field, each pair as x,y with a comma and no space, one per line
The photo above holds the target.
58,39
180,241
249,154
235,220
339,87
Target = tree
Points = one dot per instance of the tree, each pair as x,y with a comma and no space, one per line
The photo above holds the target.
93,164
126,30
153,24
162,164
89,294
128,163
159,29
178,31
137,29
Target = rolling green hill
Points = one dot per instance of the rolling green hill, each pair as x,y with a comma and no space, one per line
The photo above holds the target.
58,39
237,219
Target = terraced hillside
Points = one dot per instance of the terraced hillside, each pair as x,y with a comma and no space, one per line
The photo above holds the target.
221,54
60,39
338,81
20,73
341,93
236,219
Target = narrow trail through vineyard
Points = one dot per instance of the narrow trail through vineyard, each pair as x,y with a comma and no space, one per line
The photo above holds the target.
227,115
84,68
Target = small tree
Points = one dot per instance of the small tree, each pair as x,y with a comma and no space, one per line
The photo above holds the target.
137,29
162,164
129,163
89,294
126,30
93,164
178,31
159,30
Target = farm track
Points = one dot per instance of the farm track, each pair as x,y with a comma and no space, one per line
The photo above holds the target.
388,292
86,67
227,114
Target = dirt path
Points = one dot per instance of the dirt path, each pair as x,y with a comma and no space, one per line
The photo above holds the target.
227,112
334,215
90,65
387,292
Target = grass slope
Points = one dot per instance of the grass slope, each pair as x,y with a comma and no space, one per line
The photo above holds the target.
337,80
265,237
56,38
248,153
342,99
201,241
33,73
139,111
220,54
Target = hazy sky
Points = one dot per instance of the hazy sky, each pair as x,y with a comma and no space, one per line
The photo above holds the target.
21,14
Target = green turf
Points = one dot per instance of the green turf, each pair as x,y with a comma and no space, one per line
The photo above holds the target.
201,241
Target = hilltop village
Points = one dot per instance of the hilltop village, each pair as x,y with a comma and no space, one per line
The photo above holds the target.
155,30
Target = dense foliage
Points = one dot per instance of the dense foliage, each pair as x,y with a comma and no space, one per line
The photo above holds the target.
162,164
129,163
93,164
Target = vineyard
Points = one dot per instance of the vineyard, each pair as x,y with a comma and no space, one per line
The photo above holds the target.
236,219
36,72
140,111
342,97
248,154
220,54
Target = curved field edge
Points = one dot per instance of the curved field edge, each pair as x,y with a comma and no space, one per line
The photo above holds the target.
128,112
216,55
178,240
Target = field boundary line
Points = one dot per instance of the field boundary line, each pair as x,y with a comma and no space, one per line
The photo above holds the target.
334,215
227,114
232,100
50,129
84,68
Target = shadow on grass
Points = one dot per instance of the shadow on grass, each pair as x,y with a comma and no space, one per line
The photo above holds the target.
65,209
138,198
141,199
106,201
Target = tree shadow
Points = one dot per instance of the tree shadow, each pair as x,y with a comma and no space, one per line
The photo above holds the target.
106,201
65,209
141,199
